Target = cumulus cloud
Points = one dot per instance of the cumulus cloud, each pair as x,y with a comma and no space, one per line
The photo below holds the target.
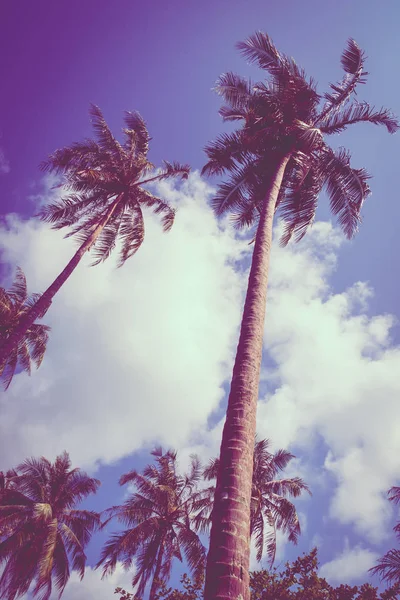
140,355
92,586
137,354
348,566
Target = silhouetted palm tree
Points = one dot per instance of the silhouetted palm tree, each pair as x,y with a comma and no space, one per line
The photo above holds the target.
388,567
278,159
46,533
106,201
15,303
270,508
159,520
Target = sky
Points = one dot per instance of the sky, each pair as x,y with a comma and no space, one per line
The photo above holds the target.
142,355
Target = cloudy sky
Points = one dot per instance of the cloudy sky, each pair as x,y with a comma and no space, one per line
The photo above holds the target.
143,355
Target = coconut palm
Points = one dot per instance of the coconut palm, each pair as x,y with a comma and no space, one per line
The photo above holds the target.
105,201
270,508
158,516
278,159
46,534
388,567
15,304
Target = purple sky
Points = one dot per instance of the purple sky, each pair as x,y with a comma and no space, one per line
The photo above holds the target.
162,58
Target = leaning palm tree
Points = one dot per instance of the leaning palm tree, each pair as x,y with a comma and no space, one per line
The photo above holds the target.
270,509
46,534
388,567
278,159
159,520
105,204
15,304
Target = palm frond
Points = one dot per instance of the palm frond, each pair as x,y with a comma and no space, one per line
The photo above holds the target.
359,113
347,189
137,134
224,152
352,61
388,567
260,49
299,206
18,291
131,233
394,494
106,140
234,89
159,207
352,58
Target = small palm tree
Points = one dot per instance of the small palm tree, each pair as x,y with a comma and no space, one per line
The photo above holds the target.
43,533
159,520
277,159
388,567
106,202
270,508
15,304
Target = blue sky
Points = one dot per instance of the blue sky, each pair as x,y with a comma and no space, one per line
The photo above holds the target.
163,59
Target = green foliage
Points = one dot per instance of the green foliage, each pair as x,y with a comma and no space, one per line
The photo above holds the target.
299,580
191,591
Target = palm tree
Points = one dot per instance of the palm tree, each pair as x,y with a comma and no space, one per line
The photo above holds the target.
270,508
105,203
388,567
15,303
278,159
159,520
46,533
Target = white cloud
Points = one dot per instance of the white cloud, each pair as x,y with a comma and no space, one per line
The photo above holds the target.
349,566
92,586
4,163
140,355
137,354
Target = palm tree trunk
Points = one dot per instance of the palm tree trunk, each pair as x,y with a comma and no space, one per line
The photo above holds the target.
41,306
155,584
227,572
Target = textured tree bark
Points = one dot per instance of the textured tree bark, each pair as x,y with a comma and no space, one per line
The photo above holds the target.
227,571
45,299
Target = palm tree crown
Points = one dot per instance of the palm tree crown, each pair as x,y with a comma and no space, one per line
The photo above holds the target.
14,304
159,519
285,116
106,195
270,508
43,532
102,174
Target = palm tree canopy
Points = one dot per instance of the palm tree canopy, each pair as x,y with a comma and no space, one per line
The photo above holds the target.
158,517
99,172
285,115
43,533
269,506
14,304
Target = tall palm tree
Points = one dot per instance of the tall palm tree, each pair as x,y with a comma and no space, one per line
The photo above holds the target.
159,519
15,304
388,567
269,508
105,204
278,159
46,534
